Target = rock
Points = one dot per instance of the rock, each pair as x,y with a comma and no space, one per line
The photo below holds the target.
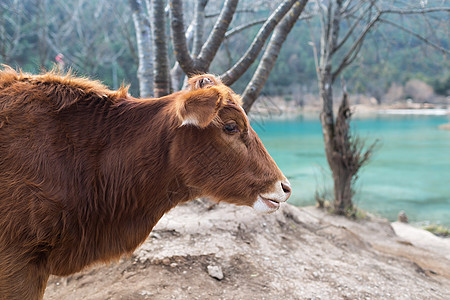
402,217
155,235
215,272
145,293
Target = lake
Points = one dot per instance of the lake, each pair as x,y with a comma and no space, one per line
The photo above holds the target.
410,169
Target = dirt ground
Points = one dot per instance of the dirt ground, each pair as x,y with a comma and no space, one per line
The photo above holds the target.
295,253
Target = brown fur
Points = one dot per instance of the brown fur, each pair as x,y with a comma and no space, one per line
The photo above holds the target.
85,172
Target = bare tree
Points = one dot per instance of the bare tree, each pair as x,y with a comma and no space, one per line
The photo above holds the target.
337,50
230,76
199,26
204,50
202,61
161,61
270,55
144,46
194,35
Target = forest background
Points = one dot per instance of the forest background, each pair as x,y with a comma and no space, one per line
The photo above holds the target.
97,39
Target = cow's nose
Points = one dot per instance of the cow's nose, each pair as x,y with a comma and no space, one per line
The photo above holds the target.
286,186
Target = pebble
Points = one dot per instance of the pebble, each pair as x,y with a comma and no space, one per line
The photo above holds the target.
215,272
145,293
402,217
155,235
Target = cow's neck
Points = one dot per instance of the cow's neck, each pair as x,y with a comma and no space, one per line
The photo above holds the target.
140,187
151,182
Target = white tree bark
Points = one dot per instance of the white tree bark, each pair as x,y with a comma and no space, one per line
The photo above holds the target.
144,46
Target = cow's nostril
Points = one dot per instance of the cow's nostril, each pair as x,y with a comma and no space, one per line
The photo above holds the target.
286,187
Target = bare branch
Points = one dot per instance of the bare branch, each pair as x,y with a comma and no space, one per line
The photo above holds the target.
335,26
252,52
176,73
345,6
242,27
199,22
350,31
271,54
324,25
216,36
313,45
423,39
415,11
348,11
179,38
354,47
237,11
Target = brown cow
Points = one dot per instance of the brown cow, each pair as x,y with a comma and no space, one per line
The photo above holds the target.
85,172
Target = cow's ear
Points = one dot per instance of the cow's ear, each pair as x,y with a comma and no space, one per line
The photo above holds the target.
199,107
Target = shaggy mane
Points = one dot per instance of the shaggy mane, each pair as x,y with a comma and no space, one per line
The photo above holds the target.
65,88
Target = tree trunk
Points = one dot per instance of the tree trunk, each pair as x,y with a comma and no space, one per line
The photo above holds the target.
234,73
344,155
179,42
345,161
342,180
270,55
216,37
161,61
199,26
342,175
333,142
176,73
144,45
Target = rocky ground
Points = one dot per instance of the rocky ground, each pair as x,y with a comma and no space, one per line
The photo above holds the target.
227,252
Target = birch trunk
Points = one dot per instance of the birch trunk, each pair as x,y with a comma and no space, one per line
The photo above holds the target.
270,55
216,37
235,72
199,26
144,46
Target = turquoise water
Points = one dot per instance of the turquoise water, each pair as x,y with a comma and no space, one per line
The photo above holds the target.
409,171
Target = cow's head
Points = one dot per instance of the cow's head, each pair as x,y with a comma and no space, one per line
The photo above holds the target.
219,154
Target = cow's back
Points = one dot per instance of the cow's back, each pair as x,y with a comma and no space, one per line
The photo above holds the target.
44,162
29,207
57,140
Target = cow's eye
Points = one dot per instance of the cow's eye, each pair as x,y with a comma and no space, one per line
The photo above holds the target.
231,127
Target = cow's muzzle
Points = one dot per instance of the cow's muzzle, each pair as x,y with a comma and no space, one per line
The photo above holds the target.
270,202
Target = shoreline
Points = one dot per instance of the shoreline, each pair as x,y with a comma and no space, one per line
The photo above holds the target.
362,113
282,110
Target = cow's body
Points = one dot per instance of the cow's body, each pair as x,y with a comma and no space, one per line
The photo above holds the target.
85,173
